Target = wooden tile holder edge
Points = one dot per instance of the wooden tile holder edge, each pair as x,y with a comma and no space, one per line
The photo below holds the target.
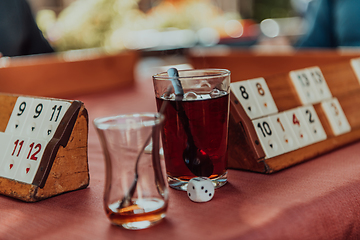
245,151
66,168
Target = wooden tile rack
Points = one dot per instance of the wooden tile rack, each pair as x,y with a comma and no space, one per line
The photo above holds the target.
60,163
245,149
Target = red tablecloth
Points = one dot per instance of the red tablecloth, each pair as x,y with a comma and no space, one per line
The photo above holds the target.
319,199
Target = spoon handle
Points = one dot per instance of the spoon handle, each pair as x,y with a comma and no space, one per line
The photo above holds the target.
179,93
184,121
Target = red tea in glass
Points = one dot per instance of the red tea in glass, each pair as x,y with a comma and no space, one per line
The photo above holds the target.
205,107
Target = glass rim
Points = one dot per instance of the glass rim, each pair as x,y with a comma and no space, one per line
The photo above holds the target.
218,72
110,121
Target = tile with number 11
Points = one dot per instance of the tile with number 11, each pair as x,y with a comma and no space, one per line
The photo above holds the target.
53,116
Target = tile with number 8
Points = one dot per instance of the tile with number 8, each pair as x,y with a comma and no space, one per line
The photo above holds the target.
336,116
268,137
261,91
243,93
284,131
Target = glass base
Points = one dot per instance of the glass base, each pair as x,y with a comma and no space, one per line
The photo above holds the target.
140,224
141,214
182,185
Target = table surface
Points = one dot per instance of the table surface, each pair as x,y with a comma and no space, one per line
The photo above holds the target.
318,199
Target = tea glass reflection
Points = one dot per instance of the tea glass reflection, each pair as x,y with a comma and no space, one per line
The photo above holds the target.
123,139
195,132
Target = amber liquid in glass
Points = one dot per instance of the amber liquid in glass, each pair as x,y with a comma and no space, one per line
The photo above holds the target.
142,210
208,121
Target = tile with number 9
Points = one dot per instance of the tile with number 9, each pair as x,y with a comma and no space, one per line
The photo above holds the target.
19,115
36,117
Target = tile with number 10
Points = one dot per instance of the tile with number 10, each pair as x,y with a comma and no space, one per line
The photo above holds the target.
268,137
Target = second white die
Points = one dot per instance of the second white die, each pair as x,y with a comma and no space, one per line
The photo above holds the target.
200,189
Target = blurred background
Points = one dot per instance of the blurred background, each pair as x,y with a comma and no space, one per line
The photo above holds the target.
155,25
123,41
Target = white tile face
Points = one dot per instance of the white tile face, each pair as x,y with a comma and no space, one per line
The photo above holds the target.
53,116
31,126
298,125
336,117
284,131
30,161
243,93
13,156
263,96
19,115
321,87
35,118
355,64
268,137
304,87
4,144
313,123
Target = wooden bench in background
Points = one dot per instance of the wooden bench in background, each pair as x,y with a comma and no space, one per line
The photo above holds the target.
67,74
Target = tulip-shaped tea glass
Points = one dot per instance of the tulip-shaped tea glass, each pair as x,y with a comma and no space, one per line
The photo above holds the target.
195,132
136,191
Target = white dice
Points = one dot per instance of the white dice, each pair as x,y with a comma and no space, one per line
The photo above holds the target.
200,189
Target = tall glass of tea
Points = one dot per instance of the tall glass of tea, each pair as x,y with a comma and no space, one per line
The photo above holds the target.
136,190
195,130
